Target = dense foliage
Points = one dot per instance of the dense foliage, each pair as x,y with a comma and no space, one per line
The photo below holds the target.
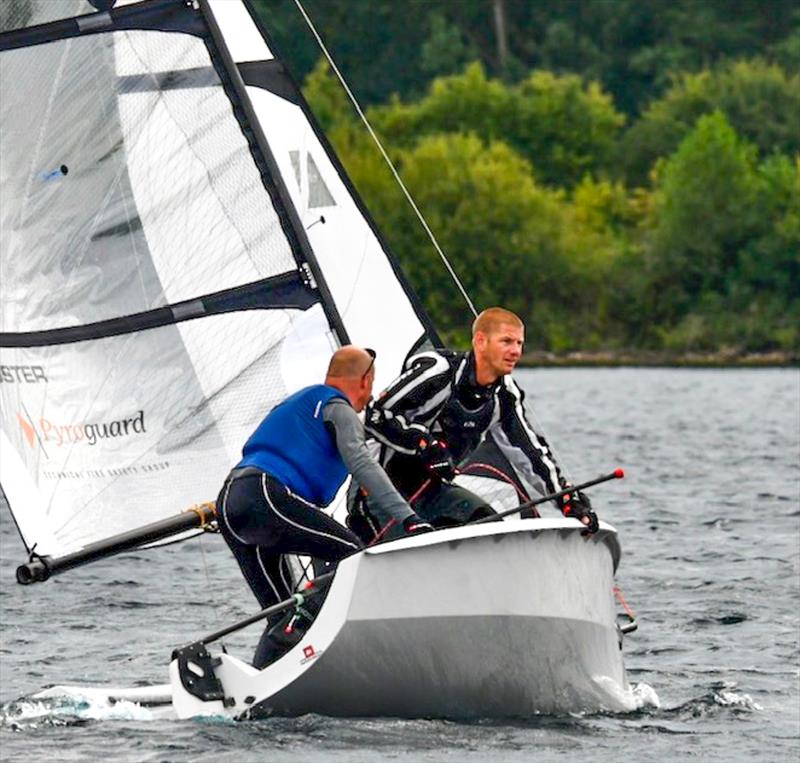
622,174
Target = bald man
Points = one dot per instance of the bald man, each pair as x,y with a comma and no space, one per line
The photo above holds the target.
292,466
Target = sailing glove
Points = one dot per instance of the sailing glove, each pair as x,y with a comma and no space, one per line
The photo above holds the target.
437,459
413,525
578,505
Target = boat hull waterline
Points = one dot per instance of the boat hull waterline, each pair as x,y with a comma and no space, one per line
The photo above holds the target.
510,619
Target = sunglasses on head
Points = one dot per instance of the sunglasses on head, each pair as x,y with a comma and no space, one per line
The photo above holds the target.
372,355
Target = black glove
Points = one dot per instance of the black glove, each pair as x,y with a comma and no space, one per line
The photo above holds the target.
437,459
578,505
414,525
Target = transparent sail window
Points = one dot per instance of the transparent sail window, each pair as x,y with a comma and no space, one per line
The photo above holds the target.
318,193
126,182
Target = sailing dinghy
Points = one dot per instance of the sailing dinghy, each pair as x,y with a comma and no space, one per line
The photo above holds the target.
180,250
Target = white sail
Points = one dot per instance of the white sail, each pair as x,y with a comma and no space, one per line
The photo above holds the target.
166,274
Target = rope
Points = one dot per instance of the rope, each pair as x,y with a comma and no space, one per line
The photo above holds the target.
386,158
209,586
304,576
521,494
206,513
391,523
422,488
621,599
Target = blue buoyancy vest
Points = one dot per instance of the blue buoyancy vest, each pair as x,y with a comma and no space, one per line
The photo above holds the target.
293,444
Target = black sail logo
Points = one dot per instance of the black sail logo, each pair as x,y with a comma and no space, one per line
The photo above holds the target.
90,433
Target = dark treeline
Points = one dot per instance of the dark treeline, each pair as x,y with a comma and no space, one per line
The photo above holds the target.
625,175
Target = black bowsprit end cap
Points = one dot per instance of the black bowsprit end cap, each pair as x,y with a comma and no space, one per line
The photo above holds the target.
103,5
35,570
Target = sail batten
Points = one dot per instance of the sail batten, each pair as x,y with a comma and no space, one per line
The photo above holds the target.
179,250
287,291
160,15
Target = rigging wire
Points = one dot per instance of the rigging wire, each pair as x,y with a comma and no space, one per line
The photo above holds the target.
406,193
201,543
386,158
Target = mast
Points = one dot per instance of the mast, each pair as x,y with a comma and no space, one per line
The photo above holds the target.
271,175
299,97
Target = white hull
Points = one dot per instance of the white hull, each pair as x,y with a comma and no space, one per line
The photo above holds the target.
499,620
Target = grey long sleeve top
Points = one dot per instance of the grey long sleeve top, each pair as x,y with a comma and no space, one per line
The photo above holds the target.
348,431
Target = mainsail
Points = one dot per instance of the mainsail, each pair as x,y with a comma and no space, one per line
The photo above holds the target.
179,249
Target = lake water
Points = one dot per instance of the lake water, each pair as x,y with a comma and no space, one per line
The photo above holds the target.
709,520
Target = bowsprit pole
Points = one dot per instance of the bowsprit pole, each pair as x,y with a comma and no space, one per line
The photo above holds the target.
40,568
617,474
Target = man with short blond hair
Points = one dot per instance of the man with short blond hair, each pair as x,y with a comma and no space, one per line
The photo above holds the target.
441,409
491,319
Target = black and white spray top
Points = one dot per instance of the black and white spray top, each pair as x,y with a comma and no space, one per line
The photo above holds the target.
437,395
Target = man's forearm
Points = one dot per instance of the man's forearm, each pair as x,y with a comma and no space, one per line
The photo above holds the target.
398,417
349,435
394,430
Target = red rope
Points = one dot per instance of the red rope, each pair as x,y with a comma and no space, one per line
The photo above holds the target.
424,486
621,599
420,491
521,494
391,523
503,476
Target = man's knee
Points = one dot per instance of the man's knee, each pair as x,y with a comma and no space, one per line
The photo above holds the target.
453,506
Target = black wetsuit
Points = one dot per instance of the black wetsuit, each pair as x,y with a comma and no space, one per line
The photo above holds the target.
312,441
438,396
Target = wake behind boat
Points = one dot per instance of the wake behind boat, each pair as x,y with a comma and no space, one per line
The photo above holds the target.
181,249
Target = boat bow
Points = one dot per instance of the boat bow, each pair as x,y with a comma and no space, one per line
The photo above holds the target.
503,620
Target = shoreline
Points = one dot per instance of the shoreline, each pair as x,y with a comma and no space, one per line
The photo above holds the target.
609,358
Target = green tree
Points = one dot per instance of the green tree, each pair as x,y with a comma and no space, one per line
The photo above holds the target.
704,213
768,270
506,237
725,247
771,260
564,127
760,100
707,258
786,51
634,47
604,219
375,44
447,50
465,102
631,47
